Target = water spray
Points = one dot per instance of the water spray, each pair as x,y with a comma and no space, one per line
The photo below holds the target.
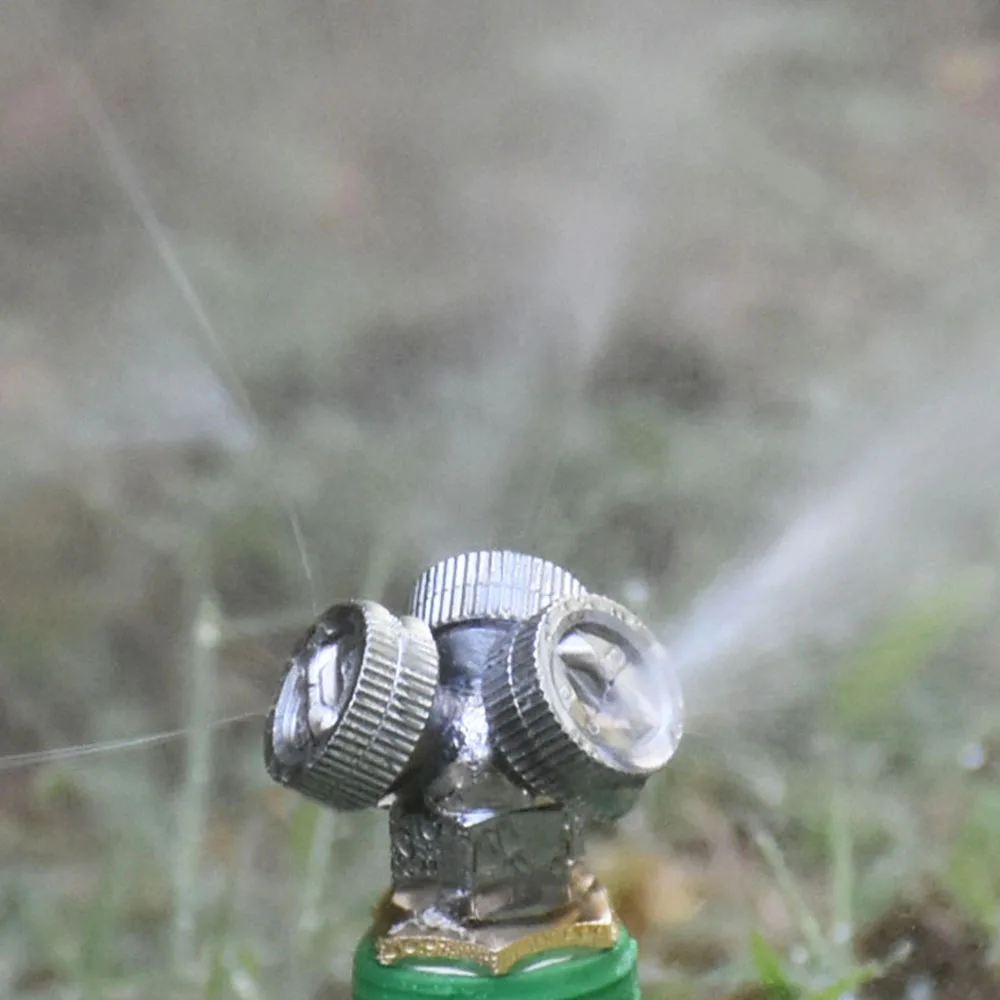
508,708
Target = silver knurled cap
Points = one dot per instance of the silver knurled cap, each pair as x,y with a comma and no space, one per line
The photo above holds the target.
354,763
536,732
491,585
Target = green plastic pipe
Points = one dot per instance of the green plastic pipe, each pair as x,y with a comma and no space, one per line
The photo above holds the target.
556,975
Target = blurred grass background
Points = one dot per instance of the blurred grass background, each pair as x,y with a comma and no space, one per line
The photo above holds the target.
618,284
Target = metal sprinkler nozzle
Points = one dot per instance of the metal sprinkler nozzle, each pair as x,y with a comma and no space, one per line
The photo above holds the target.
492,721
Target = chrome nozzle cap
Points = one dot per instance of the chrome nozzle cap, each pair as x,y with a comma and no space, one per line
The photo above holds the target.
583,703
490,585
354,701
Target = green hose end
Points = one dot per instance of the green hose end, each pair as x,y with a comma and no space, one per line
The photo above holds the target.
553,975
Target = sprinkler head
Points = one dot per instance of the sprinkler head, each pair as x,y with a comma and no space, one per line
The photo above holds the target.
509,708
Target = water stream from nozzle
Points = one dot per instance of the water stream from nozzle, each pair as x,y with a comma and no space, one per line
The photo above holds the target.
906,516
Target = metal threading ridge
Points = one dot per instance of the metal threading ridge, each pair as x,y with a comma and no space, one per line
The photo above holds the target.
373,740
528,733
495,585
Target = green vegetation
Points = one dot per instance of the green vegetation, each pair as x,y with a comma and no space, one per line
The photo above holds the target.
421,333
149,866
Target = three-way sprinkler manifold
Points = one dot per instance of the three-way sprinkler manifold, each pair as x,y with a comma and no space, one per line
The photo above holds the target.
508,707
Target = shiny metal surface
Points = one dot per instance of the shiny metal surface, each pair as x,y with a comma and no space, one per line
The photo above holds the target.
354,702
490,849
489,586
539,706
584,704
408,928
